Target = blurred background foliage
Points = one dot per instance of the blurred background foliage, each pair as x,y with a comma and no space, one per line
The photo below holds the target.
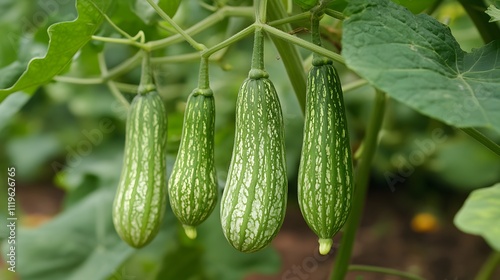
56,138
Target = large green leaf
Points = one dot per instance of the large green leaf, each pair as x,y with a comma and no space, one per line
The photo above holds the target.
81,243
481,169
10,106
494,13
480,215
416,60
66,38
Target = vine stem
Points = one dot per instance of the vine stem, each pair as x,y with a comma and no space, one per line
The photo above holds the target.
258,50
343,257
203,79
354,85
315,32
481,138
290,19
229,41
106,75
202,25
176,58
261,15
146,85
289,54
475,9
335,14
384,270
303,43
122,41
112,87
489,267
197,46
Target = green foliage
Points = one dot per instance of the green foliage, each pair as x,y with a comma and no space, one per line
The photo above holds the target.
480,215
11,105
66,39
58,134
494,13
415,6
306,4
448,164
418,56
80,244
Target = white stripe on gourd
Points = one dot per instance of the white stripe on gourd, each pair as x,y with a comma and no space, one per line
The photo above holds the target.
325,171
141,195
192,184
254,200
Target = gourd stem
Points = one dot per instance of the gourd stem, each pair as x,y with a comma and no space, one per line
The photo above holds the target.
146,85
289,54
258,50
361,186
489,267
261,11
315,32
203,79
316,14
197,46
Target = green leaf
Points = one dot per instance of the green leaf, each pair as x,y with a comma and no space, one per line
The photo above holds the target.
187,261
481,167
417,61
66,38
81,243
415,6
480,215
210,257
222,262
306,5
11,105
494,13
170,6
30,152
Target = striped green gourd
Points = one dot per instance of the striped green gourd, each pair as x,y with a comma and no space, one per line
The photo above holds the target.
254,199
325,171
140,199
192,184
